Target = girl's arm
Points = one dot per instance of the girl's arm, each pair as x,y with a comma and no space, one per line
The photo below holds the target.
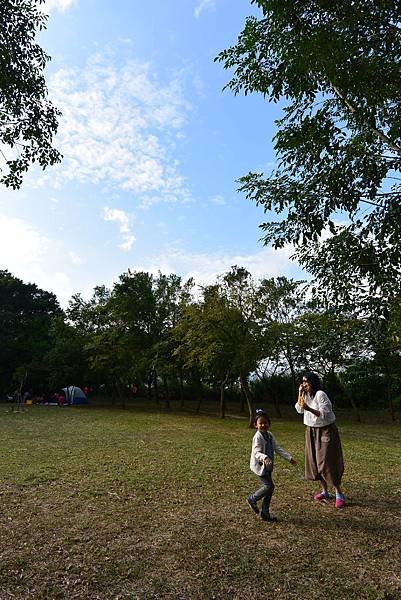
281,452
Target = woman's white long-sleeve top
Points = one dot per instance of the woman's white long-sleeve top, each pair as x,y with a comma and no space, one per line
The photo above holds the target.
258,452
320,402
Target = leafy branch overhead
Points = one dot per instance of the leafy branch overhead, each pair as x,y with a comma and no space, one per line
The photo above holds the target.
28,120
336,67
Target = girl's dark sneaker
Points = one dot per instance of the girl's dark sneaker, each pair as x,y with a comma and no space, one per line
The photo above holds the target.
252,503
269,518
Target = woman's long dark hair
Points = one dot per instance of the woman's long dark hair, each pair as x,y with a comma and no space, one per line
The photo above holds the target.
314,381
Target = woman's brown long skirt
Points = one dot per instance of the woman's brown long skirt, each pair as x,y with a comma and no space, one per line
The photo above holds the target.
323,454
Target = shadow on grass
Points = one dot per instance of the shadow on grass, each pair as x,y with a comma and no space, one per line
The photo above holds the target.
379,519
389,504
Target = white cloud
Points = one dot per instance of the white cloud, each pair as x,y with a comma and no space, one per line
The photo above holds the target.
122,218
119,127
204,5
218,199
26,253
33,257
60,5
20,244
75,259
205,268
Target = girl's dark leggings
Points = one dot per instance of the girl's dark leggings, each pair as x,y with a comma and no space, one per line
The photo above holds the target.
265,492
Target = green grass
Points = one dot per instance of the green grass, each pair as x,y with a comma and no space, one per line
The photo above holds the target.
105,503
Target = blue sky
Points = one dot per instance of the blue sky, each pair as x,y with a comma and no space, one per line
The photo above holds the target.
152,150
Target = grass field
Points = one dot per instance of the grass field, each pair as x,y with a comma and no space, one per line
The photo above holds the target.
111,504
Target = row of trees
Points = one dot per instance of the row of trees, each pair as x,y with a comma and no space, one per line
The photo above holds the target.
174,341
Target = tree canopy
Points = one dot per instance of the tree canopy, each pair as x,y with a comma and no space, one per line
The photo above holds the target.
336,68
28,120
26,315
237,340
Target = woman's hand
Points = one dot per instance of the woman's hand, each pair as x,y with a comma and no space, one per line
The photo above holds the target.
301,392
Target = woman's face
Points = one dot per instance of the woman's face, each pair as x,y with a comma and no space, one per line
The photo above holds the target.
306,386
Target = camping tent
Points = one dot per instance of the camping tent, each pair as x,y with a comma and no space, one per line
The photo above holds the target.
74,395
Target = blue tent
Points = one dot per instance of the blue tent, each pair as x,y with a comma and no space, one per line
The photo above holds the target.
74,395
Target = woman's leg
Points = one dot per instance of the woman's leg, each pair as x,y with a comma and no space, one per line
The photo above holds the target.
311,468
324,493
330,456
340,500
330,462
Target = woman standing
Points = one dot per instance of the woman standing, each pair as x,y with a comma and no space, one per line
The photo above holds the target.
323,452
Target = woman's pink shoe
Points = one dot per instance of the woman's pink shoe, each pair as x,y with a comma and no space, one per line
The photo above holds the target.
340,502
321,496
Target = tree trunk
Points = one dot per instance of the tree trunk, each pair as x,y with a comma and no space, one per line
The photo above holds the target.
276,403
19,392
149,386
293,377
248,396
355,408
222,398
155,386
113,394
390,402
166,392
199,395
181,390
120,395
242,402
222,402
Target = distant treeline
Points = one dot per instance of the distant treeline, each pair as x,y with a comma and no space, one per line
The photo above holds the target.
158,336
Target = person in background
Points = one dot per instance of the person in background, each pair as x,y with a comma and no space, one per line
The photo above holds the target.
323,452
27,396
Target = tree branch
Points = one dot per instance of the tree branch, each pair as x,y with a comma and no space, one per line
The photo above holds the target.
370,202
379,133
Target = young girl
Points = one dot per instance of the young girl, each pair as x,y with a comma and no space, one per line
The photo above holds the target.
264,446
